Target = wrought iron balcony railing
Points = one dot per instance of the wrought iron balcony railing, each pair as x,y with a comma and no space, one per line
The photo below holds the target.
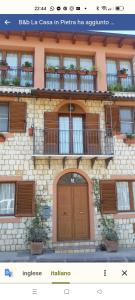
12,76
121,83
70,81
72,142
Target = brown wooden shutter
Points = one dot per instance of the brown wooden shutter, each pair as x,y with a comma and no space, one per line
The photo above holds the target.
92,134
108,196
25,198
112,119
51,132
17,117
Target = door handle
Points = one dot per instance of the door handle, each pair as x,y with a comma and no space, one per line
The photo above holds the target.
64,213
81,212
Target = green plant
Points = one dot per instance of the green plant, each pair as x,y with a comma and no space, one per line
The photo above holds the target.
116,88
3,63
27,64
27,84
36,231
123,71
50,67
16,81
97,194
130,135
72,67
109,229
93,68
4,82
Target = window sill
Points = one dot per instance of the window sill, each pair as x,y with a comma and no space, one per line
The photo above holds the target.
124,215
9,219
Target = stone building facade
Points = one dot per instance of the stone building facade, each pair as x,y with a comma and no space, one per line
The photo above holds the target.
53,162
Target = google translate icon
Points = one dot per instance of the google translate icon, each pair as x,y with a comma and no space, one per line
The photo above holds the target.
8,273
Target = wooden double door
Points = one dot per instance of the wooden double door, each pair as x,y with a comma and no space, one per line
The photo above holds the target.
73,212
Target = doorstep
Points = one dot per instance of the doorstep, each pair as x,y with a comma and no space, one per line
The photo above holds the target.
74,247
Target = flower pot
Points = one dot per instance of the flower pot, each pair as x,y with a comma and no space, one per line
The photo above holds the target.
120,75
83,72
93,73
36,248
60,71
30,130
129,141
49,70
4,68
71,71
27,69
111,246
2,138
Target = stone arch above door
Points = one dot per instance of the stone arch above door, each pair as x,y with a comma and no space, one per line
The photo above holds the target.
90,202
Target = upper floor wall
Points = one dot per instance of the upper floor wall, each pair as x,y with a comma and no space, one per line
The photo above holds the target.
28,58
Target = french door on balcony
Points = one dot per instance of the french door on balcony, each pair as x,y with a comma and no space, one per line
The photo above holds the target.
71,135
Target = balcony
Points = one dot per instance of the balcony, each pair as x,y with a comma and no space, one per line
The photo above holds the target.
16,76
70,80
75,144
120,84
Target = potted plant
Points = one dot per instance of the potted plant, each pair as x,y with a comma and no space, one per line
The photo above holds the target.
129,139
4,82
82,71
93,71
28,84
16,81
50,68
2,137
61,70
36,234
72,69
27,66
110,237
3,65
122,73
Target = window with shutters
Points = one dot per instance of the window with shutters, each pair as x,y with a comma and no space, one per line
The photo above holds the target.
13,117
117,196
69,73
4,117
17,198
127,120
7,198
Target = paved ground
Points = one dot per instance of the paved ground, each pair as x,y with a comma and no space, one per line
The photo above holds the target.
123,255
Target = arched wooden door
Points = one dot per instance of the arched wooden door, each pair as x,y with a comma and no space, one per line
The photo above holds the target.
72,208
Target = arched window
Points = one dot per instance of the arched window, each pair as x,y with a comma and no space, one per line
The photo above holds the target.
72,178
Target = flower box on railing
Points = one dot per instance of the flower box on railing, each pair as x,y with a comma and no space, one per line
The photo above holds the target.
27,69
120,75
4,67
129,139
52,71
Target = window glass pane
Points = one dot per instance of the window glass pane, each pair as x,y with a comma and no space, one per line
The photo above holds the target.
126,65
12,62
68,61
126,122
53,61
3,117
77,135
123,201
133,187
53,80
126,114
64,135
70,80
86,63
111,67
26,57
7,198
